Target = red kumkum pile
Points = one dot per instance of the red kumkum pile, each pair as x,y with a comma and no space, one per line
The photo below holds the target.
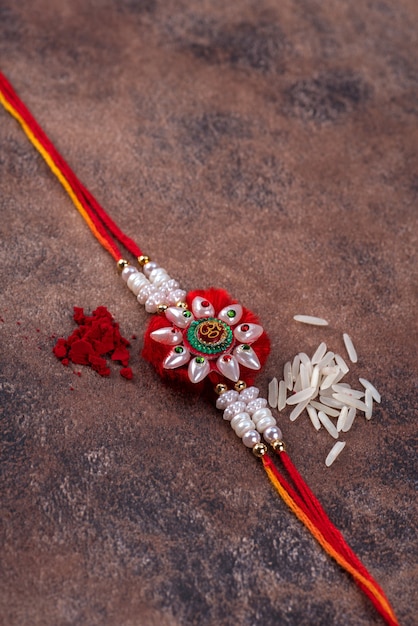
96,337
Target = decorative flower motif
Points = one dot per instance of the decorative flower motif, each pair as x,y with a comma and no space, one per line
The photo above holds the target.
215,338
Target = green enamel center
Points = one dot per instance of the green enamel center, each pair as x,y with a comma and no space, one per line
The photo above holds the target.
209,335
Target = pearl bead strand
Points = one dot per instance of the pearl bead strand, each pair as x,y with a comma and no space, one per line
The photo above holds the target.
249,416
153,287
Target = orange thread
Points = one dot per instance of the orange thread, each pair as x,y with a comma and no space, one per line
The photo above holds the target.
380,600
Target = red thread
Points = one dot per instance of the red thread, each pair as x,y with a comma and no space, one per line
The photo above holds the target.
310,505
102,221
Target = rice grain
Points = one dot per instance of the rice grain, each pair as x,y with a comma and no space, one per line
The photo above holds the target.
368,385
349,420
273,393
310,319
346,399
342,418
287,375
301,396
349,346
281,402
326,422
313,416
334,452
319,353
299,408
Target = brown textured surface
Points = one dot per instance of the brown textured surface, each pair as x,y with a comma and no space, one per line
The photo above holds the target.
269,148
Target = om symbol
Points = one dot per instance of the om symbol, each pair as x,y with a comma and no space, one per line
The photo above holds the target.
211,331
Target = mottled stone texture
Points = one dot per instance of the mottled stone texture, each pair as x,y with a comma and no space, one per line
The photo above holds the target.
266,147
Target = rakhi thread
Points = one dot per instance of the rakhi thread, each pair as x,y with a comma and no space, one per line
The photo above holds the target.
212,326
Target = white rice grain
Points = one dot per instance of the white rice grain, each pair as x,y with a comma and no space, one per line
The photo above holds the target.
349,420
368,385
331,401
328,380
315,377
301,396
369,404
355,393
299,408
313,416
334,452
326,360
273,394
328,425
349,346
281,401
287,375
342,418
304,376
346,399
326,409
295,367
341,363
309,319
298,384
319,353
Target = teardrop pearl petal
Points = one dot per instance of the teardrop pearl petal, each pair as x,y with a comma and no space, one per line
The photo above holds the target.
247,358
168,335
236,308
228,367
198,371
248,333
200,311
177,316
175,359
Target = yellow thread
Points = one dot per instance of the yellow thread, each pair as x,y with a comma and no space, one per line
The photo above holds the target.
60,176
326,546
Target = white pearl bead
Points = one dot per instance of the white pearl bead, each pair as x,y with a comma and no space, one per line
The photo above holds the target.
273,433
135,283
151,305
265,423
243,427
239,418
254,405
226,399
233,409
156,274
250,393
260,414
251,438
172,284
145,292
149,267
133,276
178,295
160,279
127,271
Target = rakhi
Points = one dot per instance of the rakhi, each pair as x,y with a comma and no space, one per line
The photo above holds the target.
209,342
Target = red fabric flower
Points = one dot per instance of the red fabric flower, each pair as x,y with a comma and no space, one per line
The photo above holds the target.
214,340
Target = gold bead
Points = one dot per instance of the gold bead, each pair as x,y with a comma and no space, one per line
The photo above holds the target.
162,308
259,449
278,445
182,305
143,260
240,385
220,388
121,264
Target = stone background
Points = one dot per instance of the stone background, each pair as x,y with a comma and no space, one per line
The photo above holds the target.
269,148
